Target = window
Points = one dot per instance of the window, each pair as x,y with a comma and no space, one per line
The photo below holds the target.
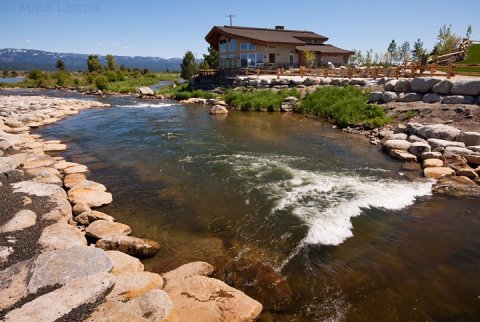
232,45
271,58
247,46
290,59
251,60
222,46
227,61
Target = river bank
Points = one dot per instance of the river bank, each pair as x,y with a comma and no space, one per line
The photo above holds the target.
45,253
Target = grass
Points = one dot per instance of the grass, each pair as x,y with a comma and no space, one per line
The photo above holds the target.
262,100
473,55
108,81
184,92
345,106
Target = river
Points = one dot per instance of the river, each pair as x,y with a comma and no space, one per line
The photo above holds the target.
357,237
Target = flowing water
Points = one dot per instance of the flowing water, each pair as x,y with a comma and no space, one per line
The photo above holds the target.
357,237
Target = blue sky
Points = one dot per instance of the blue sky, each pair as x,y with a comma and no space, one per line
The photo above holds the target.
169,28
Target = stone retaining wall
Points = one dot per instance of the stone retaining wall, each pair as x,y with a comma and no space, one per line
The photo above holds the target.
428,90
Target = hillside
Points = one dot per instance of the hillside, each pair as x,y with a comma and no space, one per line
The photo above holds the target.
28,59
473,55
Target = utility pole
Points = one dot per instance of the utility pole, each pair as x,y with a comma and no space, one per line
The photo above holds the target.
230,16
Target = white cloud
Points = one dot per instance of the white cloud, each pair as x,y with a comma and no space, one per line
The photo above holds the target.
28,40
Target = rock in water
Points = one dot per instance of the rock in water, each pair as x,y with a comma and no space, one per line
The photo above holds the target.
92,198
218,109
261,282
145,91
438,172
102,228
138,247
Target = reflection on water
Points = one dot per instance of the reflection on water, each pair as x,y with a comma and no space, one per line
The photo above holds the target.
356,240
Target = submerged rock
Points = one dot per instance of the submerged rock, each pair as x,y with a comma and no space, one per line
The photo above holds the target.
138,247
261,282
457,186
102,229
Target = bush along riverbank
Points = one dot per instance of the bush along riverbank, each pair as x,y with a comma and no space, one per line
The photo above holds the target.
76,263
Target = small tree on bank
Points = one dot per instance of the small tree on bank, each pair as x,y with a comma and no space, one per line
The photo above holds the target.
188,66
93,64
111,63
392,50
418,50
310,59
210,60
60,65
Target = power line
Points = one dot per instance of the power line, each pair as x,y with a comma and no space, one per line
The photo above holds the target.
230,16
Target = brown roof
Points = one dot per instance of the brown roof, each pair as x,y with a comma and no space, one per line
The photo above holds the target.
263,35
324,49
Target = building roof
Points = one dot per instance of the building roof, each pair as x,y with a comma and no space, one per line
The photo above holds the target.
264,35
324,49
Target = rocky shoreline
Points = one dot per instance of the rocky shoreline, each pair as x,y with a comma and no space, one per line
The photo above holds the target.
61,260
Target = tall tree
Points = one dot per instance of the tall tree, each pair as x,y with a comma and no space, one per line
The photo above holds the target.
447,41
418,50
93,64
111,63
188,66
469,31
369,57
392,50
404,52
210,60
60,65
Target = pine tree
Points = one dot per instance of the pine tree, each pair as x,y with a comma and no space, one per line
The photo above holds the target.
189,66
210,60
392,50
60,65
418,50
404,52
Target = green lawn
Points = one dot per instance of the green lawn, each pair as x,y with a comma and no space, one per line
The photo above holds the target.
473,55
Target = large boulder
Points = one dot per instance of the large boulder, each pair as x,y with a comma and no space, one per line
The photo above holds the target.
138,247
145,91
261,282
409,97
388,96
469,138
403,85
374,97
123,263
397,145
439,131
457,186
103,228
466,87
438,172
390,85
455,150
54,305
443,88
74,179
403,155
458,99
61,266
208,299
431,98
393,136
423,85
432,163
435,143
61,236
91,197
218,109
418,148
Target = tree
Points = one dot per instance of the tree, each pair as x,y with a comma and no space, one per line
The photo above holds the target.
210,60
101,82
387,58
60,65
93,64
111,63
392,50
369,58
188,66
418,50
356,58
469,31
310,59
14,73
447,41
404,52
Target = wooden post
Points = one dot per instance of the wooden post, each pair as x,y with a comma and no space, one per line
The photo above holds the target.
350,73
397,72
325,72
246,71
278,73
302,71
450,69
375,73
258,72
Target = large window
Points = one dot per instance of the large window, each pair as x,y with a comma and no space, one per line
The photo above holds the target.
227,61
222,46
232,45
251,60
247,46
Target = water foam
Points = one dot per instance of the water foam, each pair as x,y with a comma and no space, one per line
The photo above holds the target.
143,105
326,202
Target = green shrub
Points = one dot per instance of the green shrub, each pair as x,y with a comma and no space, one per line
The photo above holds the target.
101,82
262,100
344,106
184,92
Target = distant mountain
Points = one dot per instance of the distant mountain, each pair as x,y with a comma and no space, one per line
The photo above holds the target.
28,59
